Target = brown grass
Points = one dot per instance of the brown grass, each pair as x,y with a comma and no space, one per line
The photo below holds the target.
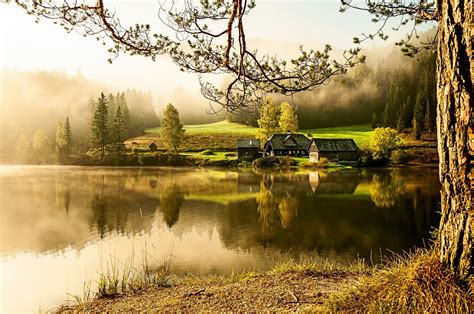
415,282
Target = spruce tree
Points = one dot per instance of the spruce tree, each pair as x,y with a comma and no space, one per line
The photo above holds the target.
374,121
68,138
125,112
419,114
171,129
60,142
288,121
118,133
112,107
100,125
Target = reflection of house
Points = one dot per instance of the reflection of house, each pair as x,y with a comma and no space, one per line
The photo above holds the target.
248,148
333,149
313,180
287,144
152,147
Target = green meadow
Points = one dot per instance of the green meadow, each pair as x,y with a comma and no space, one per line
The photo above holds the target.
360,133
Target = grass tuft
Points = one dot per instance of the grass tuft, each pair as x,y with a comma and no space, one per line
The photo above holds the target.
415,282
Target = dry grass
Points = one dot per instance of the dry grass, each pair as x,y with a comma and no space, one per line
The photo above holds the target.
415,282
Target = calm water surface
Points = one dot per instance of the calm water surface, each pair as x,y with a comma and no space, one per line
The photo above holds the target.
60,226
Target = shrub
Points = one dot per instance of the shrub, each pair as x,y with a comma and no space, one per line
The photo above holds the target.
323,162
367,160
383,142
273,162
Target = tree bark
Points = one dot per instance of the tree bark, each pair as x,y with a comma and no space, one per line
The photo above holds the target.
455,125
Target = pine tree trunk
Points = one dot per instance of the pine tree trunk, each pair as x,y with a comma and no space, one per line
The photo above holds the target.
455,124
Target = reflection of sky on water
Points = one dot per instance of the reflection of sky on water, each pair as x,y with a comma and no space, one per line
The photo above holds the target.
59,226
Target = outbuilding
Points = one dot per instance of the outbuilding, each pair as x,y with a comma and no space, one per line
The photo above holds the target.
152,147
333,150
247,148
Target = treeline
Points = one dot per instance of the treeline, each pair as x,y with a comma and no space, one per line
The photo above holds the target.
32,101
410,100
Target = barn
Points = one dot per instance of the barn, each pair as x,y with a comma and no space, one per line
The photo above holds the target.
333,150
248,148
287,144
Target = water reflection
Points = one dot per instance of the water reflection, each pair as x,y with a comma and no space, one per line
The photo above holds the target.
353,211
171,200
216,221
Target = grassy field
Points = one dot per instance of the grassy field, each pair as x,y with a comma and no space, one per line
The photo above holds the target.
222,127
224,135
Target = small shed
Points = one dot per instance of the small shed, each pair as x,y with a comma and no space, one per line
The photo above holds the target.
247,148
333,149
152,147
287,144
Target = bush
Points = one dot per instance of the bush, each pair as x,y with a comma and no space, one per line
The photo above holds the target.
323,162
274,162
398,157
367,159
208,152
383,142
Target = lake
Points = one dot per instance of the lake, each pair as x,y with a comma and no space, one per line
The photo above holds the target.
61,226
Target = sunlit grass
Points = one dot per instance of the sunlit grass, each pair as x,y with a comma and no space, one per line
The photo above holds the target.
222,127
223,199
409,283
360,133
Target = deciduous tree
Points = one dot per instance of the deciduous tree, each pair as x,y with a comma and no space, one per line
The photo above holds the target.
288,118
171,129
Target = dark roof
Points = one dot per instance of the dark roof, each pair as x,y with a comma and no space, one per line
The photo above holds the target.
335,144
248,143
288,141
152,144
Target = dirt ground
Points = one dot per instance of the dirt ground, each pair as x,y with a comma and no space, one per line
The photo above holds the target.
292,291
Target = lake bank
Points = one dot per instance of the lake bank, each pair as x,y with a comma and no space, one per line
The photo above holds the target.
415,282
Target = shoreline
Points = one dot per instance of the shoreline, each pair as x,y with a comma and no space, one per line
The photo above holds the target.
414,282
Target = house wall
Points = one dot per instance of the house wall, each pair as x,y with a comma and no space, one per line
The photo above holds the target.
348,156
247,153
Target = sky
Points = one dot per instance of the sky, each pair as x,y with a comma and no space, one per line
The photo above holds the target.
278,27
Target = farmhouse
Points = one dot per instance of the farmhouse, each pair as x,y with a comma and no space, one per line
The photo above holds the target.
333,150
287,144
248,148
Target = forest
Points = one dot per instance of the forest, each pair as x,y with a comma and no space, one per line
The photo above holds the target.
36,101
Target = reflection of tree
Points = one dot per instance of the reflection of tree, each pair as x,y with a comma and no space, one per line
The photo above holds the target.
63,195
267,209
288,210
384,190
275,211
171,200
99,211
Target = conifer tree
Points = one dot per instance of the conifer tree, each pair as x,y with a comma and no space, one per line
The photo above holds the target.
100,125
118,133
112,107
125,112
68,138
288,119
268,122
374,121
60,142
171,129
419,114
